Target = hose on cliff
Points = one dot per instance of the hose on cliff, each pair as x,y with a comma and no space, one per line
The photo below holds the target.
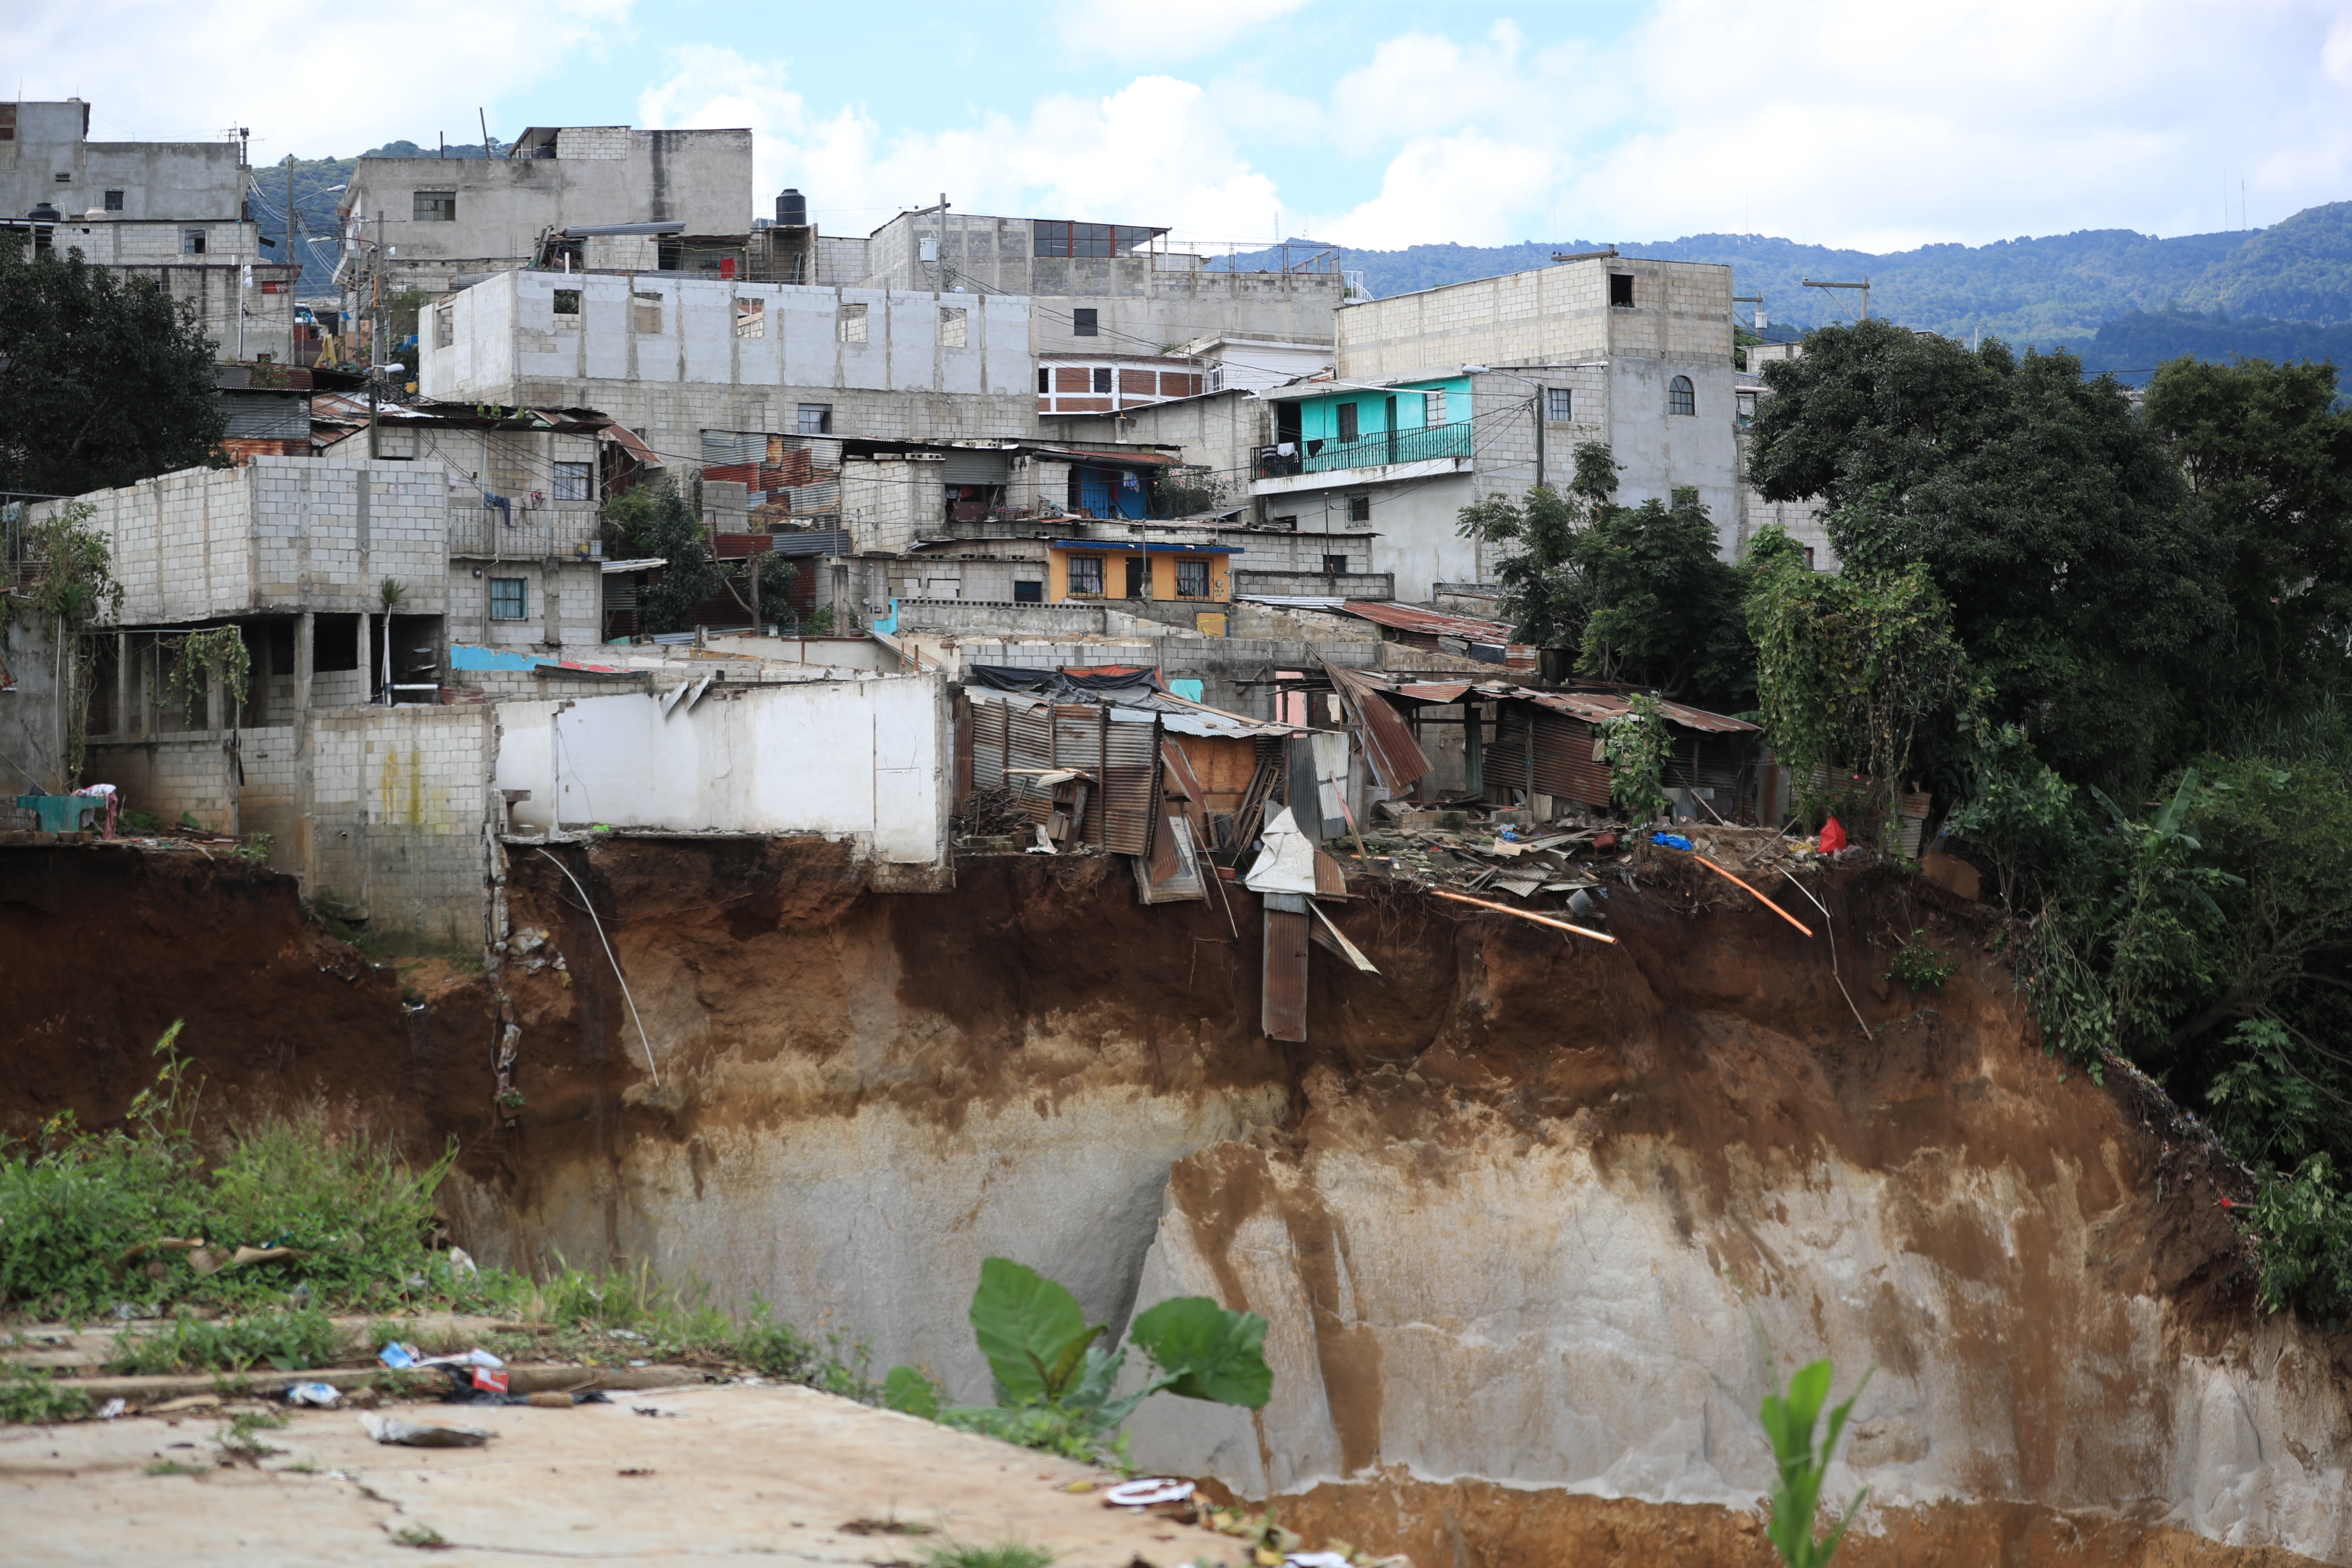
590,905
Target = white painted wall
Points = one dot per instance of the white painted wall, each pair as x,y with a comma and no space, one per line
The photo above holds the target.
864,759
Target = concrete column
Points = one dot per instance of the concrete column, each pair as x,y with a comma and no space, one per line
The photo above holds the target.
122,725
303,852
306,633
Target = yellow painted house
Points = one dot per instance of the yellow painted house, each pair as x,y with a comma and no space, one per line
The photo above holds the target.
1085,570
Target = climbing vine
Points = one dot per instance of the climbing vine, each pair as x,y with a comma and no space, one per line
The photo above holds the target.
216,654
66,580
1636,748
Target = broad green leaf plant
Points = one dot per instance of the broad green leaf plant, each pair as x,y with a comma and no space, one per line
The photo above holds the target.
1790,1420
1053,1375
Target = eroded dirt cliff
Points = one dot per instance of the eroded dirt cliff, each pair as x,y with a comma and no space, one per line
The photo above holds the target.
1516,1213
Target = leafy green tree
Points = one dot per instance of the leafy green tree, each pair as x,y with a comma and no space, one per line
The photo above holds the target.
1852,667
2050,516
103,380
1639,592
655,519
2268,458
2017,808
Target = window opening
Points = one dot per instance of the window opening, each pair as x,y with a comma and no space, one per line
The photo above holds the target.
849,324
65,178
1559,404
1680,399
445,326
1030,593
192,242
955,329
1084,322
1621,288
572,481
1138,576
1086,574
505,599
816,419
1192,579
567,301
1085,239
1432,408
1347,425
1044,381
434,207
751,318
1360,509
114,200
1335,565
1102,378
646,309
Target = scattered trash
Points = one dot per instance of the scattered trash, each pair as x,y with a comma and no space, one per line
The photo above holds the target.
1044,845
461,1262
1833,837
181,1406
113,1409
322,1395
1672,841
463,1358
657,1412
418,1435
640,1363
1143,1493
1317,1560
397,1357
647,1472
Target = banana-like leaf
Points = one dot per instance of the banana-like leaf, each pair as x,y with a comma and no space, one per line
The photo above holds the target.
1208,1351
1031,1330
909,1391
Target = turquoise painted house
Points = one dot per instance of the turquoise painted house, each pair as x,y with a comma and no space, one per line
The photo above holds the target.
1360,427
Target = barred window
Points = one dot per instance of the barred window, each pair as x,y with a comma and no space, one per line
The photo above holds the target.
433,206
572,481
1192,579
1680,399
1086,574
505,599
1559,404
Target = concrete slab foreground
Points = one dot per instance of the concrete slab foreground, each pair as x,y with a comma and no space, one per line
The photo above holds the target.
775,1471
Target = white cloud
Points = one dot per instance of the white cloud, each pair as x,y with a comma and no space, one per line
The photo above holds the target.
1153,152
186,69
1150,30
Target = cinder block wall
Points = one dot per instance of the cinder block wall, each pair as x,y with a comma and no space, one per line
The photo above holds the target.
402,796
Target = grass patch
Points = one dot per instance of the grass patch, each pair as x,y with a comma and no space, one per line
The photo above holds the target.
423,1537
1007,1553
173,1467
287,1339
30,1393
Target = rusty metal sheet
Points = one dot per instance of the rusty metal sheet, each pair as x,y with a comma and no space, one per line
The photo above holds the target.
1120,754
1446,691
1598,706
1282,1011
1428,622
1388,743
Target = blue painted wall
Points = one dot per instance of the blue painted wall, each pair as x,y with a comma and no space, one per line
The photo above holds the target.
1319,417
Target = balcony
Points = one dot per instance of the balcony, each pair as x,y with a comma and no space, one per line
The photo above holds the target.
532,535
1383,449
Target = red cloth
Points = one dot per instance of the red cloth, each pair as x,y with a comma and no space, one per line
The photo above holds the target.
1833,837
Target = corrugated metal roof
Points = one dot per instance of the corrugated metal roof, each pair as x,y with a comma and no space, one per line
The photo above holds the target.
1431,623
1446,691
1600,707
1387,742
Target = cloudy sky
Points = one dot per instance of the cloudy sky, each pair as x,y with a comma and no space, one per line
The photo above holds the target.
1875,125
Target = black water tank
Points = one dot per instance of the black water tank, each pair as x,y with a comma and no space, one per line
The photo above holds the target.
44,213
792,210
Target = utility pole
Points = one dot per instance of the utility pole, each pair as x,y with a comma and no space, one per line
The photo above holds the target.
1864,286
376,350
285,254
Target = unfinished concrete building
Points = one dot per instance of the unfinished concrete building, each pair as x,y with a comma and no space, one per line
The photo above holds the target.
425,221
171,213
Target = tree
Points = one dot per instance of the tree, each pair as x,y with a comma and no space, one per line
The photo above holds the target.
103,380
2050,516
1851,668
1638,591
2268,458
655,519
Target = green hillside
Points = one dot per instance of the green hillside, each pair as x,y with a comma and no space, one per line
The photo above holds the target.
2058,290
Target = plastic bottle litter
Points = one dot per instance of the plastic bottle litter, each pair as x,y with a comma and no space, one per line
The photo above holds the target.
322,1395
416,1434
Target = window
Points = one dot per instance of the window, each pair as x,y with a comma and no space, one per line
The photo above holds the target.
1360,509
1559,404
572,481
645,313
445,326
955,329
1679,397
505,599
1335,565
1044,381
751,318
192,242
1290,523
433,206
1192,579
1621,288
1086,574
1347,422
114,200
65,179
1809,557
1747,410
1028,593
1432,409
1139,577
1085,239
849,324
1084,322
816,419
7,122
1101,378
567,301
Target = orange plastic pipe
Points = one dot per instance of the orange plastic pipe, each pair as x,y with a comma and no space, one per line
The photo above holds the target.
1760,898
1539,919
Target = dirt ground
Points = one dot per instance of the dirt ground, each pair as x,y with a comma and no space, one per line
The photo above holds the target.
774,1471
